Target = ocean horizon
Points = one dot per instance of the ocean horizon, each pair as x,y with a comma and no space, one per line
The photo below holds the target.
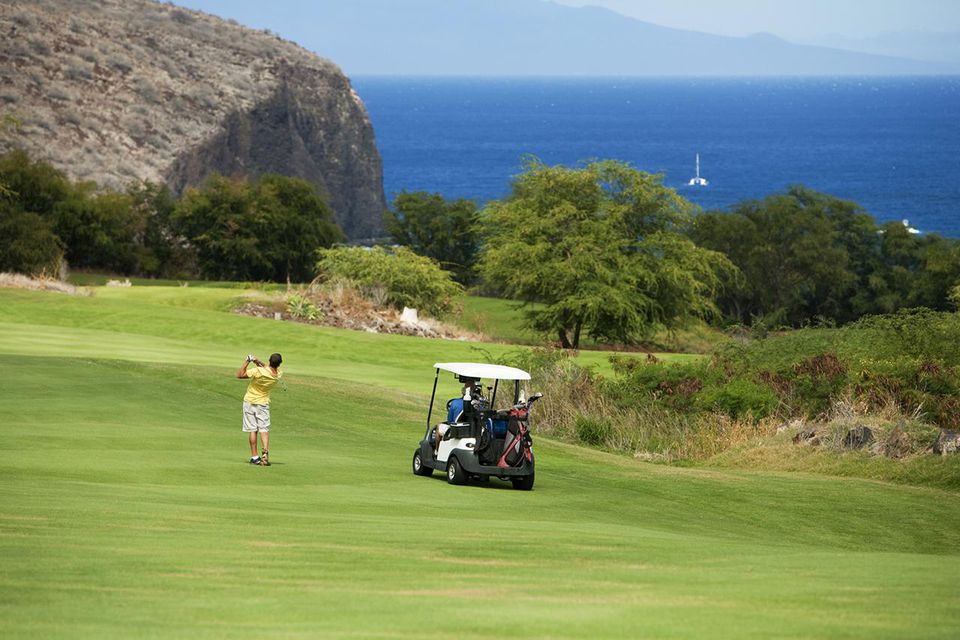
888,143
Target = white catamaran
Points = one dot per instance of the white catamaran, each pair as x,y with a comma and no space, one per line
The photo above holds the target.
698,181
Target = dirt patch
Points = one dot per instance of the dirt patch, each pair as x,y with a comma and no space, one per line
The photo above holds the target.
359,318
17,281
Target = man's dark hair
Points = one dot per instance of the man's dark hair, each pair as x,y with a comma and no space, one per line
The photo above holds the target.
275,360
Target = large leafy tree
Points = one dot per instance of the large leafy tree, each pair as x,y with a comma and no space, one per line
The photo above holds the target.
436,228
269,229
600,249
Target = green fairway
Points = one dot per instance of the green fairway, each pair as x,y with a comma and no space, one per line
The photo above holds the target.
129,509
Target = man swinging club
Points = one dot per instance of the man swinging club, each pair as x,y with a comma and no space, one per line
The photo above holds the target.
256,403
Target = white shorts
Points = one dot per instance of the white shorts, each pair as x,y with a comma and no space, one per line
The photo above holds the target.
256,417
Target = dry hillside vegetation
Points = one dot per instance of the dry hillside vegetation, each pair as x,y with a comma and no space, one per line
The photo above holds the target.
114,91
158,80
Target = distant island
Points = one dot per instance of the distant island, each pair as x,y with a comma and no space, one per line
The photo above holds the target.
540,37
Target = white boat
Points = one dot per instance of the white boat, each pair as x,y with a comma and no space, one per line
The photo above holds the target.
698,181
910,229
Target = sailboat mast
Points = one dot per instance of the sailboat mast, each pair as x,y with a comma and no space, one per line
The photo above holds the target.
698,166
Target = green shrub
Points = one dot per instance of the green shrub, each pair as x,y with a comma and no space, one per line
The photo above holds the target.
592,431
817,381
301,307
738,399
676,384
400,276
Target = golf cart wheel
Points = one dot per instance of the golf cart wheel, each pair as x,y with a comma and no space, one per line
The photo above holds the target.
524,483
419,468
455,473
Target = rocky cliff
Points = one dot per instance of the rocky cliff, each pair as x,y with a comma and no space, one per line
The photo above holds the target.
116,91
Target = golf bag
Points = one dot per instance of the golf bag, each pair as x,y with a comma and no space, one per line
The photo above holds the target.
485,448
516,445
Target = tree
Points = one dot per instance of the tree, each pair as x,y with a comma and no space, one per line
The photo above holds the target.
265,230
807,255
161,251
299,222
28,245
435,228
599,247
939,273
95,228
32,185
98,229
794,256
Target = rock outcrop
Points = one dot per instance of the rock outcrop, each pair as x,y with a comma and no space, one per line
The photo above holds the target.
947,442
116,91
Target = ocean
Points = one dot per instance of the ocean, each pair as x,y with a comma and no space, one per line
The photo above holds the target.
890,144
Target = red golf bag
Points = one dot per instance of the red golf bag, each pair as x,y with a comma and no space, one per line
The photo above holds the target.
516,444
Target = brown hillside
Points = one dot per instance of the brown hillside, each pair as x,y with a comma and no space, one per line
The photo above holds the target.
121,90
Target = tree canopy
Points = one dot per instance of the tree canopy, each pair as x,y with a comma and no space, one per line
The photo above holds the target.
436,228
600,248
268,229
806,255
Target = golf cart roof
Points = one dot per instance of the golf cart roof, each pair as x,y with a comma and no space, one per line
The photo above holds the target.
489,371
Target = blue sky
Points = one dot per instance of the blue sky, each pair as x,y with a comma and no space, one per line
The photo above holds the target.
791,19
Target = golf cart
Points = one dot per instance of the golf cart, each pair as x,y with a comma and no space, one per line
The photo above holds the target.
476,440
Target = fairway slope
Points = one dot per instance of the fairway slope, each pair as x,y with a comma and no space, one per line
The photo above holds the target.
129,509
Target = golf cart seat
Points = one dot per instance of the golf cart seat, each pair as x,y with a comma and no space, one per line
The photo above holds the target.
456,430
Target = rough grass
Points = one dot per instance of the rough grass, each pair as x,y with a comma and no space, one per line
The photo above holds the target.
781,455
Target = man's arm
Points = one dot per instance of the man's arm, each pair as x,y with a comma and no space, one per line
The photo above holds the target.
242,373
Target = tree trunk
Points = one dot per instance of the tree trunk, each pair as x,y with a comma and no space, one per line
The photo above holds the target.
576,334
563,338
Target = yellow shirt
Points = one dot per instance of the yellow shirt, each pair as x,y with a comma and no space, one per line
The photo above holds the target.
261,383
